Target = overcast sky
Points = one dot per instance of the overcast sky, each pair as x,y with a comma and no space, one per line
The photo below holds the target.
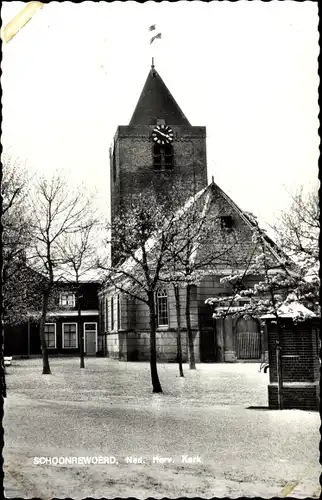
245,70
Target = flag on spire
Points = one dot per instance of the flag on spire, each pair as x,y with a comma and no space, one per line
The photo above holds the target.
154,37
152,27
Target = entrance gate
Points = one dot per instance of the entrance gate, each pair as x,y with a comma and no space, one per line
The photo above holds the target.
248,339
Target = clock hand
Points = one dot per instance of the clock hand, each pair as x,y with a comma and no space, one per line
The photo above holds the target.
162,133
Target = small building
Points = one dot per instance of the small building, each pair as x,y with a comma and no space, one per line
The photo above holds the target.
64,326
299,339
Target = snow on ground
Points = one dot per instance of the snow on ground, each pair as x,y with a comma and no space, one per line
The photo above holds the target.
109,410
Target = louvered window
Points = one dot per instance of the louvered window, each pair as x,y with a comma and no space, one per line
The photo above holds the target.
162,157
157,157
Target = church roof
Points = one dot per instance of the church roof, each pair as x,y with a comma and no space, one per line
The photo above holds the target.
156,101
204,198
276,251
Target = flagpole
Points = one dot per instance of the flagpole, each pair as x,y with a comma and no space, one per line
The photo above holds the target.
152,39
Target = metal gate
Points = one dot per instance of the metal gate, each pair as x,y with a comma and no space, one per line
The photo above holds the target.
248,339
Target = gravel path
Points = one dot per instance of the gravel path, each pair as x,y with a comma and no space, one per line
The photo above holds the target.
108,410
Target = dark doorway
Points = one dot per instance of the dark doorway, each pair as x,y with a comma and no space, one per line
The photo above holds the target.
207,346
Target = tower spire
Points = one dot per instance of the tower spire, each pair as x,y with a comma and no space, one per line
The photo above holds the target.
152,67
155,102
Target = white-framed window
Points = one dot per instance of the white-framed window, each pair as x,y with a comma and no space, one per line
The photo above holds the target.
50,335
67,299
70,336
162,307
106,314
118,326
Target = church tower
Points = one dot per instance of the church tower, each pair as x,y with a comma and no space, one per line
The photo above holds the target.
159,148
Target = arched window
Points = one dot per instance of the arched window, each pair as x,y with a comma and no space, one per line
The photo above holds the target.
162,308
162,157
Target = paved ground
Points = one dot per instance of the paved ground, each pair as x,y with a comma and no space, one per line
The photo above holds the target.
108,410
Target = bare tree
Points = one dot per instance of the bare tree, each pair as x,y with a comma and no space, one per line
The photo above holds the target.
79,258
176,289
193,253
141,237
298,227
297,232
16,239
58,211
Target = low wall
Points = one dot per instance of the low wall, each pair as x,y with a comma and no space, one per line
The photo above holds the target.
301,396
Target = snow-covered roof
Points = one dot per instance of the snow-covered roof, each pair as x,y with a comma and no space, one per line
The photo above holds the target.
292,310
206,192
151,242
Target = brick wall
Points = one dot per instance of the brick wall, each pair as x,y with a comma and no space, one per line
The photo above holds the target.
295,396
133,163
299,354
300,365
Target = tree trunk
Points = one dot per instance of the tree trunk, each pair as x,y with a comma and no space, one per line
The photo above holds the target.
45,358
153,352
80,328
192,362
179,350
279,376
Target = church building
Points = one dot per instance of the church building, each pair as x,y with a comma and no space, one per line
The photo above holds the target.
160,148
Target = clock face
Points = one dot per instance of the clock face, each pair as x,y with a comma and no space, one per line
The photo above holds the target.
162,134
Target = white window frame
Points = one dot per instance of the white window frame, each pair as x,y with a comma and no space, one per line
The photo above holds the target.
55,346
112,314
67,294
106,315
157,307
84,330
63,335
118,312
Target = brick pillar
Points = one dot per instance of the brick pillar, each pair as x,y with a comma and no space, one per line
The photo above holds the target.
300,362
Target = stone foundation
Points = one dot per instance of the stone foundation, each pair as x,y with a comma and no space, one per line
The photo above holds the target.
230,357
135,346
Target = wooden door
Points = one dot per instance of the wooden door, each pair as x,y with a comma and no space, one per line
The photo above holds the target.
90,338
248,339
